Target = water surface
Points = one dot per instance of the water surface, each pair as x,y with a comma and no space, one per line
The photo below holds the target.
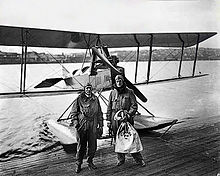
23,129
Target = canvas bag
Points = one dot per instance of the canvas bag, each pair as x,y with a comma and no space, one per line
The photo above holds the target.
127,139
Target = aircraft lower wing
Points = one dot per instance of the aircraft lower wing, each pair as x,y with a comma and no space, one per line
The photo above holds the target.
38,93
53,81
171,79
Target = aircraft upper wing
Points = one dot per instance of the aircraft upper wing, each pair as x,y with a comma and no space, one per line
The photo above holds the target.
15,36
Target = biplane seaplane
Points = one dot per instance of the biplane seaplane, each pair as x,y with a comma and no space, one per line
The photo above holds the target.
103,67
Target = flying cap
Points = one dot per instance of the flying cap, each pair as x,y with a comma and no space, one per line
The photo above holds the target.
119,77
88,85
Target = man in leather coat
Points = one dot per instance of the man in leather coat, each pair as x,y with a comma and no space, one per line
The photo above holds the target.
87,118
122,98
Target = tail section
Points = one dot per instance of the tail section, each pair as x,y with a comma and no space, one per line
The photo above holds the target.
66,73
48,82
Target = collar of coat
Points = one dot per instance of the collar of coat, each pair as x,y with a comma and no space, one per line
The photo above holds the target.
121,90
85,98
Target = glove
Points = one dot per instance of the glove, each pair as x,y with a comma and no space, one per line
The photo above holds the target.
126,116
108,124
71,124
126,113
125,119
74,124
99,132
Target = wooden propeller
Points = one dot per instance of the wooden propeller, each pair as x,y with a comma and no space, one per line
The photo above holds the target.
114,70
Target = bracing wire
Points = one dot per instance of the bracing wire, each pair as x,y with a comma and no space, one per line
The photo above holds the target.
49,53
164,64
193,53
38,56
186,67
125,63
84,59
10,88
45,62
59,64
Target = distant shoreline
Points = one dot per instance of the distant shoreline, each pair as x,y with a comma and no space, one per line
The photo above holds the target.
130,56
120,62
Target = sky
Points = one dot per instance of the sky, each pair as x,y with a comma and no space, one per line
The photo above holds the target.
116,16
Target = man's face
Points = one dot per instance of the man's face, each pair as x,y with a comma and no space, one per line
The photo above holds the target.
88,90
119,82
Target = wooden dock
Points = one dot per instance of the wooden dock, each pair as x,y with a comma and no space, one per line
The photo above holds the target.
190,148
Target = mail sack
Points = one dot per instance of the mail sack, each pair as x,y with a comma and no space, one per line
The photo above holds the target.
127,139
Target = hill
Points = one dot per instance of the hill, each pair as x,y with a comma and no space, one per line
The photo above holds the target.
172,54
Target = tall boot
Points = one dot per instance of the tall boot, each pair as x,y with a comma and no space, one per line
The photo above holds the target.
78,168
91,165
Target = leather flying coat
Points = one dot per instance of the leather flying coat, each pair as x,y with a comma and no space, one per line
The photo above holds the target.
86,111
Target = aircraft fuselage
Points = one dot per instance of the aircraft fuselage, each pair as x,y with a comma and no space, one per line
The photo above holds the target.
99,81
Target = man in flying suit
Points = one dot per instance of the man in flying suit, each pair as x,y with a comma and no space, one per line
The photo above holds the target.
87,118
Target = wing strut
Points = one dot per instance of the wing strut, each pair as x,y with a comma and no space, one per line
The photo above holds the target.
92,70
23,60
197,47
181,58
150,57
136,67
105,49
98,41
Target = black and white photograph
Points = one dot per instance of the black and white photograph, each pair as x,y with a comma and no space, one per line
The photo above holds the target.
110,88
